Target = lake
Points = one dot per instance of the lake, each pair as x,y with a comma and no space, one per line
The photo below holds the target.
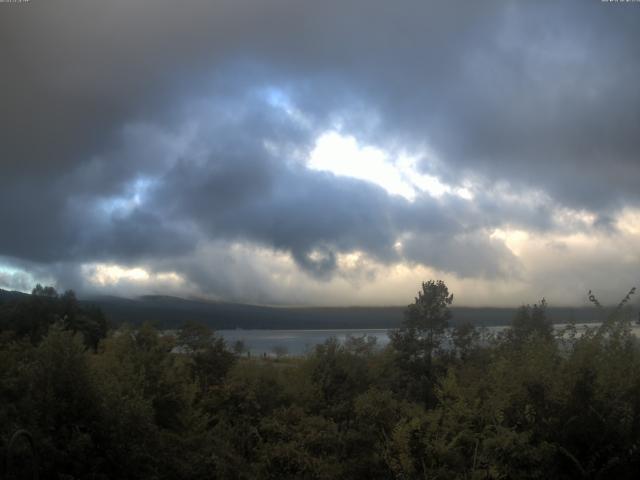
299,342
295,342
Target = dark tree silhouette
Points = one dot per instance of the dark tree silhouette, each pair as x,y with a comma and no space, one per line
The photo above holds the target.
420,336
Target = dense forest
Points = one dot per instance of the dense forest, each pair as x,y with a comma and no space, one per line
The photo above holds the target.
438,402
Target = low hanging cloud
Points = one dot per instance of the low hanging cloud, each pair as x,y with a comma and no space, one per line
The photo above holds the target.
188,134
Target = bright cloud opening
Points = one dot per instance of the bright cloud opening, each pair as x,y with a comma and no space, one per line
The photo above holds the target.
515,240
344,155
17,279
112,274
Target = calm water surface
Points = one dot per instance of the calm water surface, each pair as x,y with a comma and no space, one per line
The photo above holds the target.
299,342
295,342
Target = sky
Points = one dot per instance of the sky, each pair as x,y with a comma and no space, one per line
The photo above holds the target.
287,152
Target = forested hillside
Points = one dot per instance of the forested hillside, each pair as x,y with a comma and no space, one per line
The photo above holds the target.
172,312
126,403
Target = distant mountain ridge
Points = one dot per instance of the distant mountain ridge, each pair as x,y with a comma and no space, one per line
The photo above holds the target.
11,294
171,312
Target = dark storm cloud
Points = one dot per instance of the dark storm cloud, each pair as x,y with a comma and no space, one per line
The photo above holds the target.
553,104
101,97
238,190
467,255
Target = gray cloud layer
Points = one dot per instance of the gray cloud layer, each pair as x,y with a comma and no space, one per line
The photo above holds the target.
140,131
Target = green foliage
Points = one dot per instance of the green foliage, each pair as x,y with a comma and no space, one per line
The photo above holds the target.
337,376
209,358
295,445
425,320
420,338
531,320
436,403
465,339
30,316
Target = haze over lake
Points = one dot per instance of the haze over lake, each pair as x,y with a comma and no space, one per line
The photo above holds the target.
299,342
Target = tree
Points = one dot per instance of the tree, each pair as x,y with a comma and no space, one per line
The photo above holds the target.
338,376
195,336
465,337
64,404
210,358
40,291
425,321
88,320
32,315
531,320
363,346
420,335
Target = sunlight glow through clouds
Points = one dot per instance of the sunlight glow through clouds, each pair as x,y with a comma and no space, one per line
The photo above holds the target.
629,221
111,274
343,155
350,260
515,240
